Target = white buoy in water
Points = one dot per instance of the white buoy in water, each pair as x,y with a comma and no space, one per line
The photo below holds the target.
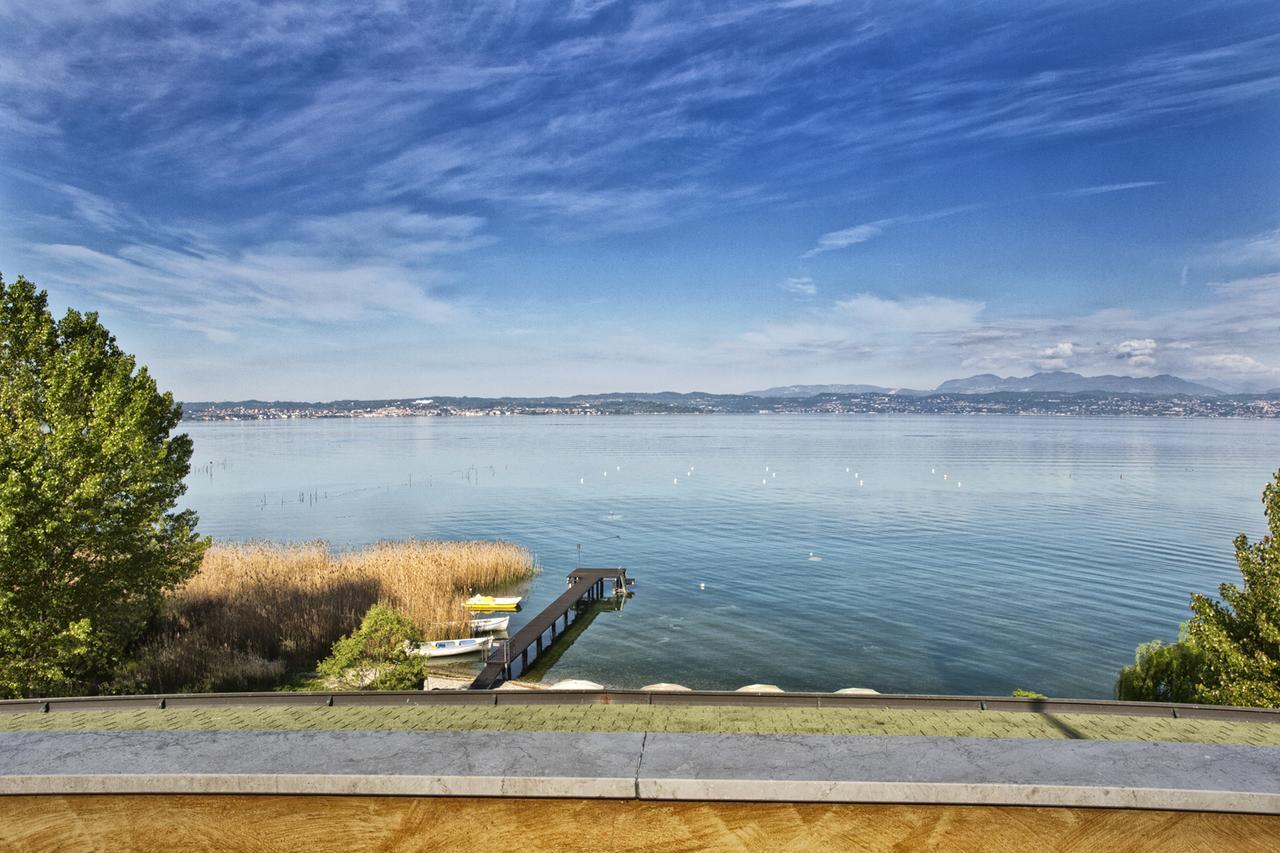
959,484
846,470
944,476
764,482
605,473
766,467
702,586
619,468
860,483
675,481
933,470
774,474
582,480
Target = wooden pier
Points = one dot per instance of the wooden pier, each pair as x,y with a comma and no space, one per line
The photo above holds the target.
514,656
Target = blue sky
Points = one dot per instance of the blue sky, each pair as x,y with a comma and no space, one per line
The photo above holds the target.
310,201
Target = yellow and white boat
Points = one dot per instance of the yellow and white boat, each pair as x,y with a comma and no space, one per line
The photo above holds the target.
489,603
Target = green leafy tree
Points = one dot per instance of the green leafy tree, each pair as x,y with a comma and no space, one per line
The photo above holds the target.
1163,672
1240,635
89,478
374,655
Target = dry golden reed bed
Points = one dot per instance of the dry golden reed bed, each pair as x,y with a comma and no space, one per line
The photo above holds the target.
256,611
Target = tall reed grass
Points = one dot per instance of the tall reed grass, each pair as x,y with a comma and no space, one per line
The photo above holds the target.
257,611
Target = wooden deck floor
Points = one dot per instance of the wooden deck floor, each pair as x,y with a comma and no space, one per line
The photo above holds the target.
266,823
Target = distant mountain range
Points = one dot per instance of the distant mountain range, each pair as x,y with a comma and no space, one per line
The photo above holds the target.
988,383
800,392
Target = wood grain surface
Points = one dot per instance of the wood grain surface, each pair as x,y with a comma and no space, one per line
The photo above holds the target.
268,823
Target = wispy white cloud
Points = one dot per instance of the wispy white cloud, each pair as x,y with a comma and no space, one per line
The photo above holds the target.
1257,249
879,316
802,286
1235,364
1103,189
850,236
334,270
846,237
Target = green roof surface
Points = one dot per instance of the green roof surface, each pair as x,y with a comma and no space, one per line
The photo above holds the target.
636,718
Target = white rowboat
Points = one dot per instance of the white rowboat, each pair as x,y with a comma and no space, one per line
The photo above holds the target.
445,648
494,623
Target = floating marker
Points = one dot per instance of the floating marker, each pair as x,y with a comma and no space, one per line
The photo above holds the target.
774,474
764,482
605,473
702,586
619,468
933,470
959,484
846,470
675,481
859,482
582,480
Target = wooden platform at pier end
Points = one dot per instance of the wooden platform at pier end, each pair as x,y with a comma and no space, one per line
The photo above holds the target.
515,656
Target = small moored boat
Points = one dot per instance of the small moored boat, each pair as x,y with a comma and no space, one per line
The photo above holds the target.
489,603
493,623
445,648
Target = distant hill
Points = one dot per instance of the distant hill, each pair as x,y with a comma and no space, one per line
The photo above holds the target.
800,392
1074,383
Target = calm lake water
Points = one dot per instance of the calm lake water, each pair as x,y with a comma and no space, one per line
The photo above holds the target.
943,554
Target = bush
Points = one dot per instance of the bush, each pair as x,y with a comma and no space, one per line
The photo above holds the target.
374,655
1163,673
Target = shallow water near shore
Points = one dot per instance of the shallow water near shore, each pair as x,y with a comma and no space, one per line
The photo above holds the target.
929,554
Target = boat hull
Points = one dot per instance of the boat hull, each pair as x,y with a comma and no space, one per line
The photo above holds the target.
490,604
449,648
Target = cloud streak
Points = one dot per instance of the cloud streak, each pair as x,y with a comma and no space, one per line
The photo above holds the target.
329,270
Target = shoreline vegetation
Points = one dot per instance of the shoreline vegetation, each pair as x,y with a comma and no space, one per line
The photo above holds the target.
260,615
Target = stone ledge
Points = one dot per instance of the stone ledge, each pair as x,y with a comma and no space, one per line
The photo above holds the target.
649,766
285,784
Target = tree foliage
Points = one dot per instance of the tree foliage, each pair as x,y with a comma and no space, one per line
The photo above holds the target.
1163,673
1229,652
1240,635
374,656
89,479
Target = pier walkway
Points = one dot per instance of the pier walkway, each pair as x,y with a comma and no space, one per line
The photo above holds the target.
515,655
